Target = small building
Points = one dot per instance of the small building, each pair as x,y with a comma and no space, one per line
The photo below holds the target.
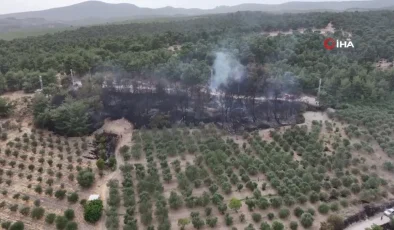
94,197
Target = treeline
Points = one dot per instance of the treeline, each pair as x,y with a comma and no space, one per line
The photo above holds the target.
66,115
141,50
100,46
26,80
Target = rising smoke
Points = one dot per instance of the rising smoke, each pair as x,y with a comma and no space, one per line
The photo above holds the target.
225,67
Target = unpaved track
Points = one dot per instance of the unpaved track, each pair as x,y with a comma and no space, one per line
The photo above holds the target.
378,220
124,129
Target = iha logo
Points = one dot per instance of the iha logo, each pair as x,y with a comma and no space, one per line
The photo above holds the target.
331,43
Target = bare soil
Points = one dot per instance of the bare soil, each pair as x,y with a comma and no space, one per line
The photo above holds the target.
384,64
329,29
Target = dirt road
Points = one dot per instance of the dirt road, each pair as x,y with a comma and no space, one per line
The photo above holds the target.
124,129
369,222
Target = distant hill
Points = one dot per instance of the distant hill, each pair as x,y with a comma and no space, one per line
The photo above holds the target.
96,10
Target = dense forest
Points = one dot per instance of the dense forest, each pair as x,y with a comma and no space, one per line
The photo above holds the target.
141,51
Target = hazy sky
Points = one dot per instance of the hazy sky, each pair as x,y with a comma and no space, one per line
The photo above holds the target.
12,6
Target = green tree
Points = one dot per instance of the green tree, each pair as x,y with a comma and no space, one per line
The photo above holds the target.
211,221
71,225
277,225
69,214
100,163
5,108
183,222
85,178
17,226
293,225
71,118
61,222
93,210
37,213
73,197
306,220
175,200
235,204
256,217
198,222
265,226
50,218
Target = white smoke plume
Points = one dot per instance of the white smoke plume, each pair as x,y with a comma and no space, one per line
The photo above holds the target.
225,67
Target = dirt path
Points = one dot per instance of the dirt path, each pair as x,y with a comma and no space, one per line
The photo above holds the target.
124,129
378,220
16,95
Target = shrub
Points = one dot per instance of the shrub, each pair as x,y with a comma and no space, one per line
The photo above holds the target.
175,200
302,199
277,226
25,211
334,206
14,208
61,222
228,219
293,225
271,216
37,203
73,197
100,163
242,218
276,202
83,202
324,208
208,211
17,226
265,226
256,217
198,222
71,226
183,222
307,220
6,224
37,213
49,191
284,213
311,211
344,203
298,212
69,214
313,197
60,194
50,218
212,221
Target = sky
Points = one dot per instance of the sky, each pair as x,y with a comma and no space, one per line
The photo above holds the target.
13,6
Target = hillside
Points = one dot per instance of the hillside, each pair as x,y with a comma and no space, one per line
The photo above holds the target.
99,10
19,25
12,24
